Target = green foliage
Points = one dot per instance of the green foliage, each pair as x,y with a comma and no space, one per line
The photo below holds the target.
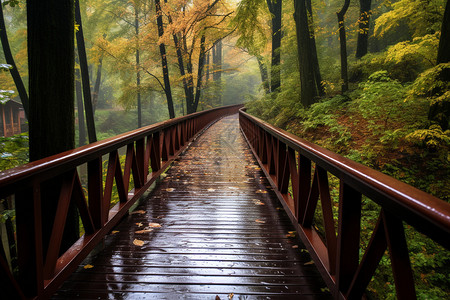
431,138
403,61
5,95
420,16
13,151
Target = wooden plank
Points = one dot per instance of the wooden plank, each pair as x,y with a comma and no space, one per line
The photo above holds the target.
220,231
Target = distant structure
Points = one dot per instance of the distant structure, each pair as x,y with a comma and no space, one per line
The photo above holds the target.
12,118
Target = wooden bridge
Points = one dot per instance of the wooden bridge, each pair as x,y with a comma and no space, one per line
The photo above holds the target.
233,217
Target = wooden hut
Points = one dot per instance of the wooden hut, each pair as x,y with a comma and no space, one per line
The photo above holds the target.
12,118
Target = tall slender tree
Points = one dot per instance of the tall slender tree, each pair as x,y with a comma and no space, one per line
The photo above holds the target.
363,33
343,44
275,8
305,59
51,86
165,66
10,60
86,83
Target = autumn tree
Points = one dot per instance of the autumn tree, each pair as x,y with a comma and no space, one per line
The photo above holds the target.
192,29
253,34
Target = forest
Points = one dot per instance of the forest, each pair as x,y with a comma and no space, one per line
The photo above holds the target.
367,79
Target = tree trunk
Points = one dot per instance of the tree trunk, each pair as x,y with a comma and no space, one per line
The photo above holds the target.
308,90
343,43
51,85
275,8
85,76
264,74
138,67
315,59
165,67
217,71
444,42
80,106
363,34
10,60
98,81
201,63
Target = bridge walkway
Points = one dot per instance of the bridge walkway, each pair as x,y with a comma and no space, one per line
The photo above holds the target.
212,228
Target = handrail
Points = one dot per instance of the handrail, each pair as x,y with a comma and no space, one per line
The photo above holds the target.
154,146
286,158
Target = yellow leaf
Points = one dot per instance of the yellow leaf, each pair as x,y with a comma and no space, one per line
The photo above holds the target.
230,296
138,242
88,266
309,263
141,212
211,190
114,231
154,225
139,224
261,192
295,247
260,221
170,189
144,231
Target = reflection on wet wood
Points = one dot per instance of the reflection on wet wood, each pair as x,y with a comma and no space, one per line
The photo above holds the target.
212,228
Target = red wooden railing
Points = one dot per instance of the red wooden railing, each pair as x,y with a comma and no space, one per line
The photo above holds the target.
287,160
154,147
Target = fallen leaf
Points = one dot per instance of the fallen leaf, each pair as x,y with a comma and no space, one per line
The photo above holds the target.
154,225
138,242
295,247
230,296
309,263
261,192
88,266
217,297
258,202
170,189
233,188
291,234
144,231
139,224
260,221
141,212
114,231
160,217
211,190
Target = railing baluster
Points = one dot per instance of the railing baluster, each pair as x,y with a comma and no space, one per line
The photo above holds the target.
398,250
95,192
348,237
304,182
29,240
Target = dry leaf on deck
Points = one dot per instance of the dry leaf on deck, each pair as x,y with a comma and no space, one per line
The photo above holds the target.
141,212
260,221
88,266
144,231
154,225
138,242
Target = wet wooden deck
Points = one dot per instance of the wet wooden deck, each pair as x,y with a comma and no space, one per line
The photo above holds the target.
222,235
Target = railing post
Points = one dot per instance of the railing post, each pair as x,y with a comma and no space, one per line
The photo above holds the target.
349,227
95,192
29,240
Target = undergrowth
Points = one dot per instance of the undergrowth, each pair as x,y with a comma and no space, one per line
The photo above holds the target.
382,124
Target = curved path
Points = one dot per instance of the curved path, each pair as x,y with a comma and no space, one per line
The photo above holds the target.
212,228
